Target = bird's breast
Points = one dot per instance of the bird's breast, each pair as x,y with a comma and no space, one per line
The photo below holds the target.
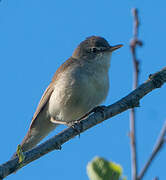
76,92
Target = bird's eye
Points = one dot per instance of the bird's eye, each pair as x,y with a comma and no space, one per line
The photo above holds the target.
93,49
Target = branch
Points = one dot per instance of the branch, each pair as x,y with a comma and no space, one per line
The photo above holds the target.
133,44
132,100
159,144
156,178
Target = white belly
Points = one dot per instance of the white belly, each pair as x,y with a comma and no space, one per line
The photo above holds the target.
73,97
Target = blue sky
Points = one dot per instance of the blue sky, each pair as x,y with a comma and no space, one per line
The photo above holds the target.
36,37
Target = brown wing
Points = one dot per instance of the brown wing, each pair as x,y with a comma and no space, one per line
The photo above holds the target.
49,90
40,125
43,101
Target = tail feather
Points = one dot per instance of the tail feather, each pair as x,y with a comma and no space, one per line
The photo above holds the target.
39,129
34,136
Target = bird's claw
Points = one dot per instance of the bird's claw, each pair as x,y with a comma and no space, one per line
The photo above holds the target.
76,126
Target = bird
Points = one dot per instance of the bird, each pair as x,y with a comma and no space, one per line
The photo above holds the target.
80,84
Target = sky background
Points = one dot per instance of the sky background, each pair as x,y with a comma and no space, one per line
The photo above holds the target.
36,37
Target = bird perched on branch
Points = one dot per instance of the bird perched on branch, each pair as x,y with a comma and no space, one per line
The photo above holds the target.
80,84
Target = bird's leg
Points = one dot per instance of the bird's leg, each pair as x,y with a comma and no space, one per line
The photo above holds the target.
58,122
74,123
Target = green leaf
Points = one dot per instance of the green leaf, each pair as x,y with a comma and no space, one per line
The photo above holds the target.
101,169
20,154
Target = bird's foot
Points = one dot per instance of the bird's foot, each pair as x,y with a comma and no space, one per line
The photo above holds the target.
76,125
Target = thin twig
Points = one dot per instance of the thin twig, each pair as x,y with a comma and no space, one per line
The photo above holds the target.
156,178
159,144
133,44
131,100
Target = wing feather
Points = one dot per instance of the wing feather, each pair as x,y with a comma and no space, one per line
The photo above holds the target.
43,101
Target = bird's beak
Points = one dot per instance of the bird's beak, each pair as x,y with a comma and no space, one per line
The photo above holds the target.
113,48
